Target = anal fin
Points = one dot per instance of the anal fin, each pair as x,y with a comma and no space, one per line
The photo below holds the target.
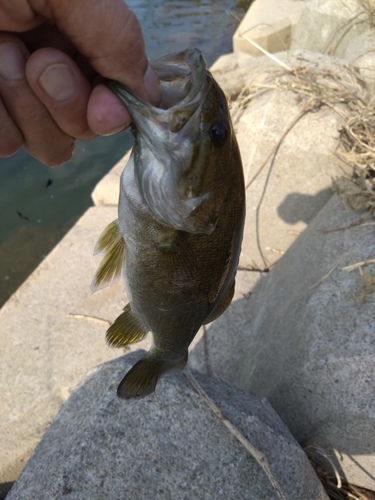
222,306
141,380
125,330
112,245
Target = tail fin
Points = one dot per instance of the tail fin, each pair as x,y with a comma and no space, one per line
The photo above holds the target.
141,380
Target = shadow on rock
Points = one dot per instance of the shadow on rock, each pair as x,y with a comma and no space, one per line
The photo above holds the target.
298,207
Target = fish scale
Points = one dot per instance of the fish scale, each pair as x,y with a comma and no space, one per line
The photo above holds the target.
178,237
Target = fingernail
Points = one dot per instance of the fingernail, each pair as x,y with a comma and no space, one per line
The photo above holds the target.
116,130
59,82
152,86
12,61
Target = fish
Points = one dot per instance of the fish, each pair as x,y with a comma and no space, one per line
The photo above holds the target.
177,239
21,216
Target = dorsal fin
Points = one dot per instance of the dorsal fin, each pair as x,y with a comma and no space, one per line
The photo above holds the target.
112,245
125,330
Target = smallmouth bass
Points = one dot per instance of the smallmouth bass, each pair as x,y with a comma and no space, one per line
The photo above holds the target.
178,236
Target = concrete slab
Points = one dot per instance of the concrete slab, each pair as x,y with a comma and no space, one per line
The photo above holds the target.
270,24
44,350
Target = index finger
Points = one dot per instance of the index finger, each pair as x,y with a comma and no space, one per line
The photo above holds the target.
108,33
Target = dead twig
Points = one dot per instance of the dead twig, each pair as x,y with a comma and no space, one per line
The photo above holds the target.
324,278
358,265
90,318
275,250
358,222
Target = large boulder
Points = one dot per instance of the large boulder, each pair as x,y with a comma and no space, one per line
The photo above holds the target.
306,341
328,26
168,445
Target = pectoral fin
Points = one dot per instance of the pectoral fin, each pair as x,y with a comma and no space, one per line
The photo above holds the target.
141,380
125,330
112,245
222,306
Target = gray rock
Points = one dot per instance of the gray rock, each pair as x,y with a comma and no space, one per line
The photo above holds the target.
169,445
236,70
328,26
360,52
295,183
307,342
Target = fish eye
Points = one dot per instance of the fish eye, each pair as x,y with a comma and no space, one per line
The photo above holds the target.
219,133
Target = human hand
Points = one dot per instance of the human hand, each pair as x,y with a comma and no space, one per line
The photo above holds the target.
53,54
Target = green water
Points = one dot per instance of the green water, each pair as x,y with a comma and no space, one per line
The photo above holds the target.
39,205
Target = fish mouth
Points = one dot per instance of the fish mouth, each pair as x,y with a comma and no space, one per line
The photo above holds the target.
167,140
184,83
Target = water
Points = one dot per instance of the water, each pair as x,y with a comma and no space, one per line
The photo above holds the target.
39,205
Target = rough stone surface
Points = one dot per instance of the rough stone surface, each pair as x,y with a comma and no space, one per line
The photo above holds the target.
45,351
307,342
269,23
328,26
107,191
361,54
235,71
169,445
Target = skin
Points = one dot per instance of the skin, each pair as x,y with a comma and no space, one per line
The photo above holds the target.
53,56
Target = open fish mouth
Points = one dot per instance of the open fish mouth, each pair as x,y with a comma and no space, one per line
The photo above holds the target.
184,83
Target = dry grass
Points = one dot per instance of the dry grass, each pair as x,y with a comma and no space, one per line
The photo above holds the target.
343,491
347,95
368,8
332,482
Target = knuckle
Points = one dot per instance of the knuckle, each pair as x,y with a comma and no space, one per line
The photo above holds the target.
60,156
10,145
